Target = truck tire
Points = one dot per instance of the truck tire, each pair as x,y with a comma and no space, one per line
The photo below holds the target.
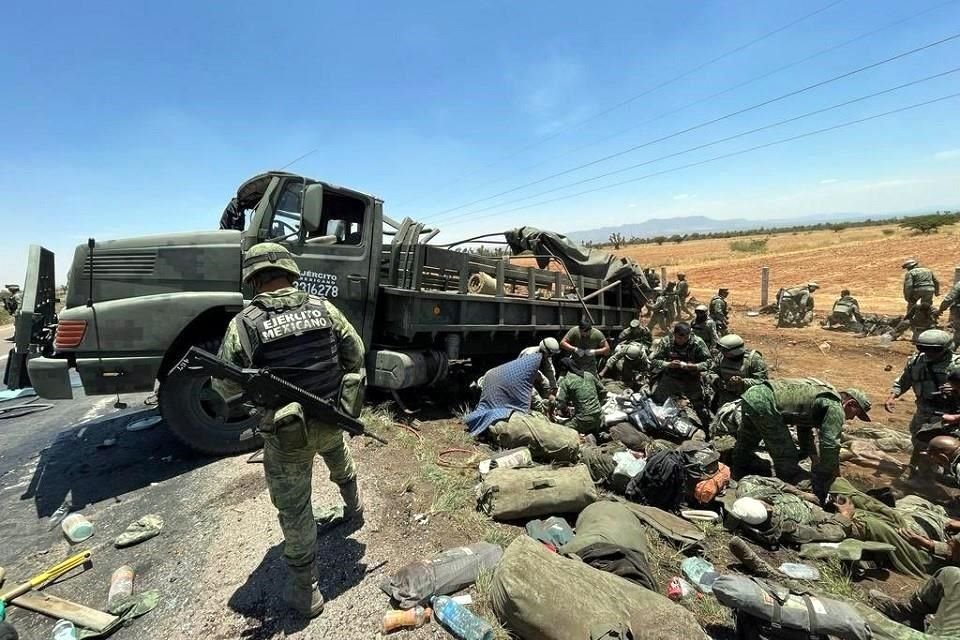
193,411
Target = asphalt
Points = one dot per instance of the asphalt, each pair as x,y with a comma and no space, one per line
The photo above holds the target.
64,456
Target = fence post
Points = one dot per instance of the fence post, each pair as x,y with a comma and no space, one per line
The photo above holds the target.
764,285
663,277
956,274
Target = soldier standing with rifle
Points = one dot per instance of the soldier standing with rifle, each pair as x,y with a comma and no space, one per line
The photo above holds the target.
309,343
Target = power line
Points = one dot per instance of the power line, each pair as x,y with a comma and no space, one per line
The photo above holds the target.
739,85
712,143
646,92
701,125
731,154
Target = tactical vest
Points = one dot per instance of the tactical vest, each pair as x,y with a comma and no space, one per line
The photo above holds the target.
921,278
926,378
702,330
718,304
796,397
683,289
734,367
843,308
298,344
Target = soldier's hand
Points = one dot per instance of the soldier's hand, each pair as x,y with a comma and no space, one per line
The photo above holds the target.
890,403
915,540
579,353
950,418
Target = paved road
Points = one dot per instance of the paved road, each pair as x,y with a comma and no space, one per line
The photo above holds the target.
59,456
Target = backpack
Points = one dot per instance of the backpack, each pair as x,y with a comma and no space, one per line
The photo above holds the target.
700,459
662,483
512,494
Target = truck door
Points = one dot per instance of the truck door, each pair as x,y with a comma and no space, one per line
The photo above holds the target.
335,258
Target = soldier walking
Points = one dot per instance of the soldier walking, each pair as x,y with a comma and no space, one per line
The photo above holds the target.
317,349
719,311
683,293
920,284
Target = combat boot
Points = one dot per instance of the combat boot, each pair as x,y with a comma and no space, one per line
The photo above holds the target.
303,595
352,502
752,562
908,613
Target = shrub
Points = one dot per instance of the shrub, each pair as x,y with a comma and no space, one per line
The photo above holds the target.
888,232
757,245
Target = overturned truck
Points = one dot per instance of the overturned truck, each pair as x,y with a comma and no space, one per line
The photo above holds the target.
134,306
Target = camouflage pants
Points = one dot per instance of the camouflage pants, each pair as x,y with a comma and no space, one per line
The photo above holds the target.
954,325
762,422
925,296
289,475
921,418
586,424
658,319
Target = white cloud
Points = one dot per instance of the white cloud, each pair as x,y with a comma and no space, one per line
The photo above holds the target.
829,180
683,196
949,154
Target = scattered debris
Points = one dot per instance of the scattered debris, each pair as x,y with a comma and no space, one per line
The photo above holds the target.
440,575
256,457
799,571
107,443
421,518
144,423
76,527
143,529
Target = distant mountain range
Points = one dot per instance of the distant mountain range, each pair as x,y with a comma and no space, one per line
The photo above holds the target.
703,224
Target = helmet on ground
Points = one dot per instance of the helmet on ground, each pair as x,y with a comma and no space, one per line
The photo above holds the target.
634,324
634,351
910,264
731,345
550,346
862,400
749,510
943,449
933,340
268,255
812,285
701,308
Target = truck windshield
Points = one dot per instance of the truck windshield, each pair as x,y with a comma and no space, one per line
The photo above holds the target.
286,218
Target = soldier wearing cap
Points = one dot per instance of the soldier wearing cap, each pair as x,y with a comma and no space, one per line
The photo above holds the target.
920,285
677,362
704,327
658,311
736,369
719,311
635,332
796,305
809,404
317,349
926,372
683,292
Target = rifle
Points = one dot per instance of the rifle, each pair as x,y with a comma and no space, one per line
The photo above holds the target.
266,389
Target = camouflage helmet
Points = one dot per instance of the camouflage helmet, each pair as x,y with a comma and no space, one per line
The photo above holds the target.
701,307
910,264
550,346
634,324
812,285
731,345
943,449
268,255
634,351
681,275
862,400
933,339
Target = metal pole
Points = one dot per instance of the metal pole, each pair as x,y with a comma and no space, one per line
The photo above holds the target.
663,277
764,285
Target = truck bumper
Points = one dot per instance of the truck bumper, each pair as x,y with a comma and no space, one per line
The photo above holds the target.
50,378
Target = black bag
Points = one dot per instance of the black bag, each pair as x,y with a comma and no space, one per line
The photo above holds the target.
701,460
662,483
750,628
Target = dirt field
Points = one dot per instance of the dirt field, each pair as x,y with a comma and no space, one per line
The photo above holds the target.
866,260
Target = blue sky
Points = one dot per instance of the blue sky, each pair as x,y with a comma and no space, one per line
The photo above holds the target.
135,118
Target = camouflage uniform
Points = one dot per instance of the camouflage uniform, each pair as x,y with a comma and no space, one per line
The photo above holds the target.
289,470
796,307
658,314
627,371
939,596
706,330
797,520
673,382
846,313
639,334
750,368
683,292
672,307
808,404
719,313
919,285
925,378
584,393
951,301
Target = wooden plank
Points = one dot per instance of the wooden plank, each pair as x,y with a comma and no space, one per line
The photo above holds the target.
78,614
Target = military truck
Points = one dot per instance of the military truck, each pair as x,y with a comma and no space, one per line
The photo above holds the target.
134,306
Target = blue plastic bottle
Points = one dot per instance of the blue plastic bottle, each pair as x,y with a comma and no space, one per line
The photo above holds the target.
460,621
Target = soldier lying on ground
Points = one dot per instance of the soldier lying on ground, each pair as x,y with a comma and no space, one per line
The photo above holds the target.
939,596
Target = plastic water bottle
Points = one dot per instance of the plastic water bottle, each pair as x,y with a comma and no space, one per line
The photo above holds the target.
64,630
460,621
76,527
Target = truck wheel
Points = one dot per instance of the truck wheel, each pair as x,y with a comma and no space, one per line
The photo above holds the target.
197,416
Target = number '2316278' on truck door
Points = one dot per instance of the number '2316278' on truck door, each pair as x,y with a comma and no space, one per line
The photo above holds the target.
318,284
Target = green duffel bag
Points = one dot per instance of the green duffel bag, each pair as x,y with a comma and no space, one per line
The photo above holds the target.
512,494
608,522
548,442
539,594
